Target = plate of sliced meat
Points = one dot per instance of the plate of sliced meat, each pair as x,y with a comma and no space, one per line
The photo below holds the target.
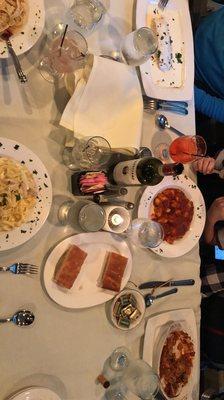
87,269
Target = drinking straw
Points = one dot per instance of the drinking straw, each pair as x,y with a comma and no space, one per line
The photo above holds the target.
63,36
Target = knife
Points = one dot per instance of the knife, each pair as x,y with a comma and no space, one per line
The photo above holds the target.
153,284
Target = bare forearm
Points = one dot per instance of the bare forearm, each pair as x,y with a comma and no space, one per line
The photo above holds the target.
209,232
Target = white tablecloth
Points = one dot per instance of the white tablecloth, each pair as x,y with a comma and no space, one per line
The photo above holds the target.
66,350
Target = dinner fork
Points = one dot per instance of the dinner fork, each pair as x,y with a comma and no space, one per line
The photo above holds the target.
175,107
22,77
20,268
162,4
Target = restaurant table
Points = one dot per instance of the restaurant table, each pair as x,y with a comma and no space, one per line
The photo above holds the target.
65,350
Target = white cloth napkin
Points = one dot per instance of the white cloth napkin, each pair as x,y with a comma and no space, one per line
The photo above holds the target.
109,104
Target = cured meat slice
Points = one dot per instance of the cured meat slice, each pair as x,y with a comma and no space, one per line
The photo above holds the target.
69,266
114,271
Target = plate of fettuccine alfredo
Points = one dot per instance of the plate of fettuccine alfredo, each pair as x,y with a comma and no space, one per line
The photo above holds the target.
23,21
25,194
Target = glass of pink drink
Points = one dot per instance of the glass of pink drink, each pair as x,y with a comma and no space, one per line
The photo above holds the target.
65,58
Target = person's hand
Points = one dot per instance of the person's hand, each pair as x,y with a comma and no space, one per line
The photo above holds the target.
204,165
216,211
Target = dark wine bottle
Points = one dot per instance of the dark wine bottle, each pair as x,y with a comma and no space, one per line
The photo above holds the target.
144,171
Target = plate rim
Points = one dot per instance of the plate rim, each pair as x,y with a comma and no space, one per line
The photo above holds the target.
111,295
31,388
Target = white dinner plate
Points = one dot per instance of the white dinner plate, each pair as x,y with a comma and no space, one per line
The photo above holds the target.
30,32
155,335
176,84
20,235
35,393
86,291
191,190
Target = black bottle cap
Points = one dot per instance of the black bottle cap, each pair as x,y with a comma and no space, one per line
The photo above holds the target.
178,168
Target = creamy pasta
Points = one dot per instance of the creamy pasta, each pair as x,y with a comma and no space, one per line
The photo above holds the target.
13,15
17,194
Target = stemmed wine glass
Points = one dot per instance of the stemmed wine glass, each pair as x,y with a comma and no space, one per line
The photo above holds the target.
184,149
67,52
145,233
90,153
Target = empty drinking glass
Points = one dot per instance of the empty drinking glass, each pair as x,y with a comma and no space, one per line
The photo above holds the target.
145,233
138,46
87,13
87,215
120,358
63,57
90,153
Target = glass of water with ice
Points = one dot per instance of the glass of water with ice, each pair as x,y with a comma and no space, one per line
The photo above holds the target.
138,46
145,233
87,13
140,379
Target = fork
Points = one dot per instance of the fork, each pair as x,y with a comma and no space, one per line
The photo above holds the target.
6,37
176,107
20,268
162,4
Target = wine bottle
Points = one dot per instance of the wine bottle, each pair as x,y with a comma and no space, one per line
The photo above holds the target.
144,171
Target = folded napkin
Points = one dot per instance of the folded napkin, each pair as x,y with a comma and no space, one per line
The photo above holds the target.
106,103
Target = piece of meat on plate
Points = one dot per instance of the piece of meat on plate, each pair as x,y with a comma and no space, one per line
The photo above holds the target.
114,271
69,266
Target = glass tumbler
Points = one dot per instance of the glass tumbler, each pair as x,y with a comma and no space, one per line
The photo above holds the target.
138,46
87,13
140,379
65,58
87,215
145,233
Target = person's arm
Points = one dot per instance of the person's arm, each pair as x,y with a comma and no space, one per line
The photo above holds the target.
214,214
209,105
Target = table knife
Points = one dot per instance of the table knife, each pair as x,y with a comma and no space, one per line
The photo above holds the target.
153,284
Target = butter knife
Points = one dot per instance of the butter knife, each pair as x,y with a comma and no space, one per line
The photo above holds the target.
153,284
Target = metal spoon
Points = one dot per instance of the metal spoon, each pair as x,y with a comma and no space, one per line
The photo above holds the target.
20,318
163,123
149,299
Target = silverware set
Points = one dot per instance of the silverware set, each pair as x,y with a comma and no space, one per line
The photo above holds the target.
177,107
21,317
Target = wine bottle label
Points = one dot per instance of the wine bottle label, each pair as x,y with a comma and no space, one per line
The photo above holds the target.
125,173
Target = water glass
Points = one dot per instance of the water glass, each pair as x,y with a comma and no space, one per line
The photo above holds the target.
89,216
115,392
119,359
138,46
145,233
87,13
141,380
91,153
65,58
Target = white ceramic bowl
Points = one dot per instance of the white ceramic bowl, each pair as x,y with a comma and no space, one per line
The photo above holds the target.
140,304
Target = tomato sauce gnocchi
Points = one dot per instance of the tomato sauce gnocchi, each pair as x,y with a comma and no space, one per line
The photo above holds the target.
174,211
